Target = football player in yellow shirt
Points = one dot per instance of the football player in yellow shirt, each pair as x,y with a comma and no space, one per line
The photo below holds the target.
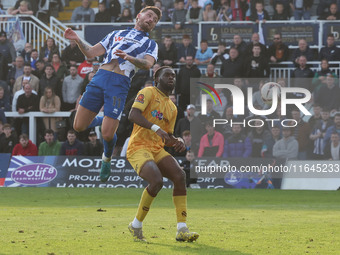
154,116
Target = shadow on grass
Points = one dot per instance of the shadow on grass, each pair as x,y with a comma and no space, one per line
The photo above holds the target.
192,248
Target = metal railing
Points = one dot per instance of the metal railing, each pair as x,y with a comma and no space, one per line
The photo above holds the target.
35,31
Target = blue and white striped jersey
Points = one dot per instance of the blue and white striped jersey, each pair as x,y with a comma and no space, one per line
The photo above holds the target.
133,42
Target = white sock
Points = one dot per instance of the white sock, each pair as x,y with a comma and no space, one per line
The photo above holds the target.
181,225
136,223
104,158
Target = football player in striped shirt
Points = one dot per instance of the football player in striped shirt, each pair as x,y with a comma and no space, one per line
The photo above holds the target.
124,50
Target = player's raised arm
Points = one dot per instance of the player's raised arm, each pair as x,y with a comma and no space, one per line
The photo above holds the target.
88,50
136,117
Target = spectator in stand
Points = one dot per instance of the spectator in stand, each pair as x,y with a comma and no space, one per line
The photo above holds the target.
114,8
40,71
219,108
33,80
260,14
334,128
332,149
16,71
83,13
183,81
225,129
258,135
127,4
330,52
225,13
34,59
103,14
280,13
60,67
7,48
22,8
46,52
221,55
255,39
211,73
126,16
329,95
301,9
18,93
179,15
71,89
195,13
28,7
86,81
278,51
185,49
209,14
239,44
164,18
50,103
301,133
268,142
167,52
26,52
94,147
204,54
51,146
303,50
301,74
25,147
256,65
72,54
211,144
319,79
49,79
238,9
210,114
72,146
4,100
332,14
8,140
192,123
287,147
85,67
27,102
318,134
232,67
316,116
237,145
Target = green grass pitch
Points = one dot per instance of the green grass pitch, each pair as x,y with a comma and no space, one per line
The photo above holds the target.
236,222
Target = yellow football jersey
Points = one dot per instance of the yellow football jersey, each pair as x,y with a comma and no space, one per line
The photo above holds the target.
157,108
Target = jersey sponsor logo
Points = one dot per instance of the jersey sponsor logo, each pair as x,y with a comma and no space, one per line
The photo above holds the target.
118,38
157,114
140,99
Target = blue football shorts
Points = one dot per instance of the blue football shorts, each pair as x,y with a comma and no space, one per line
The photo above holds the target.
109,89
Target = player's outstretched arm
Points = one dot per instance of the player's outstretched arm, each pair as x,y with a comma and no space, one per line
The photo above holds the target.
143,63
136,117
88,50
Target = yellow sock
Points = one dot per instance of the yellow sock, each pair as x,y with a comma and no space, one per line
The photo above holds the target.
144,205
181,207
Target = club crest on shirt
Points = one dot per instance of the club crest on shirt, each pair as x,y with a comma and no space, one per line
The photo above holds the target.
140,99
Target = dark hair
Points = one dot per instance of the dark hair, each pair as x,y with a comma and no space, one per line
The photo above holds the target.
73,66
71,131
330,35
48,131
337,114
186,36
204,41
49,65
34,50
158,72
186,133
335,133
155,9
27,64
23,136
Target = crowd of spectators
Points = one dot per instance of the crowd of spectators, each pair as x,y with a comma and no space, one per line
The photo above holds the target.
49,81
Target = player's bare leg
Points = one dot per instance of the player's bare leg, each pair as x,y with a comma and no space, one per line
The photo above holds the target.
83,118
153,176
171,170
